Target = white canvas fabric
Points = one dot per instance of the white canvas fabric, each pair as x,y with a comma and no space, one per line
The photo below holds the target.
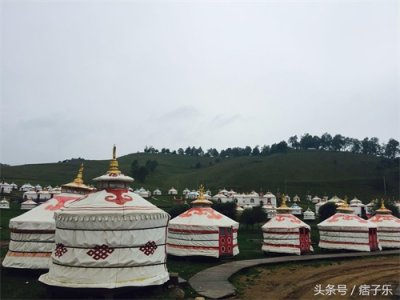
345,231
109,239
388,230
197,232
281,234
32,234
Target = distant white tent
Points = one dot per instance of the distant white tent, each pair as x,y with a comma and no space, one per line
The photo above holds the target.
202,231
172,191
28,204
344,230
4,204
309,215
5,188
285,233
388,227
296,209
32,233
111,238
26,187
157,192
269,198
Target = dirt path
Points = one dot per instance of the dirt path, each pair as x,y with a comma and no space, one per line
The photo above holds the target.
301,281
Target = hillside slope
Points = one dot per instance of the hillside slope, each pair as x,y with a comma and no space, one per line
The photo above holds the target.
299,172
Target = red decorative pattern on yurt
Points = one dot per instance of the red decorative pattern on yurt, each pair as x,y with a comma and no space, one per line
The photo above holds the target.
149,248
119,196
201,211
60,250
100,252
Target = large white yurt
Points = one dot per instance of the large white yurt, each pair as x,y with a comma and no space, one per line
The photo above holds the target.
202,231
388,227
32,233
5,188
285,233
347,231
109,239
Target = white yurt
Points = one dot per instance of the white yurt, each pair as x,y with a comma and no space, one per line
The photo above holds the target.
309,214
369,208
316,199
296,198
4,204
336,199
172,191
5,188
185,191
344,230
285,233
357,206
388,227
202,231
220,198
26,187
239,210
270,210
269,199
38,187
111,238
157,192
14,186
32,233
28,204
296,209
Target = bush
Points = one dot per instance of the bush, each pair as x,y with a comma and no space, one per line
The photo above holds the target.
228,209
326,210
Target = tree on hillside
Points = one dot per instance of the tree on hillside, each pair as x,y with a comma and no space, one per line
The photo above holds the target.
256,151
306,141
370,146
293,142
338,142
228,209
134,168
326,141
265,150
141,174
181,151
391,149
355,146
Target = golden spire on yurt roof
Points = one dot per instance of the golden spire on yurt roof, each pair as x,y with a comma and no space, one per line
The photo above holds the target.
78,181
79,177
344,207
201,199
114,168
383,209
283,209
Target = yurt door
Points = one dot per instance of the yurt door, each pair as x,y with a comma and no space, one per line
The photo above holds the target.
373,239
225,241
304,240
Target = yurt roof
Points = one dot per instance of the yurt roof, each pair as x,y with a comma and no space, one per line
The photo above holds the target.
285,221
335,199
29,201
77,183
269,194
346,220
203,216
316,198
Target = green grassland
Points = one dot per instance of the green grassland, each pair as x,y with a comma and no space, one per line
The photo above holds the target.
296,172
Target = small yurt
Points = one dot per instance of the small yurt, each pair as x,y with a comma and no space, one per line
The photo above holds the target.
344,230
4,204
202,231
388,227
296,209
335,199
110,238
26,187
270,210
296,198
269,199
369,208
316,199
285,233
239,210
28,204
309,214
32,233
38,187
14,186
357,206
157,192
185,191
5,188
172,191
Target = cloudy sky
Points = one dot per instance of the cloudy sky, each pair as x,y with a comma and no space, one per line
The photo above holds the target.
78,76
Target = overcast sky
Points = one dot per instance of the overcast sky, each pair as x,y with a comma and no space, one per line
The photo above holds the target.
78,76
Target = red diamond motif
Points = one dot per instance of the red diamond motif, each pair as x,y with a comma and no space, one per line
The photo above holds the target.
100,252
149,248
60,250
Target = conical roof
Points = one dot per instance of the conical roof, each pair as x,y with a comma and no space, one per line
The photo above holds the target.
77,184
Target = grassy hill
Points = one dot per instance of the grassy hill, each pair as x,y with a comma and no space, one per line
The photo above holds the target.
298,172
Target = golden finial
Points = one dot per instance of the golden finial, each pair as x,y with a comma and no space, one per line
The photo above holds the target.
344,207
283,208
79,177
114,164
201,199
383,209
